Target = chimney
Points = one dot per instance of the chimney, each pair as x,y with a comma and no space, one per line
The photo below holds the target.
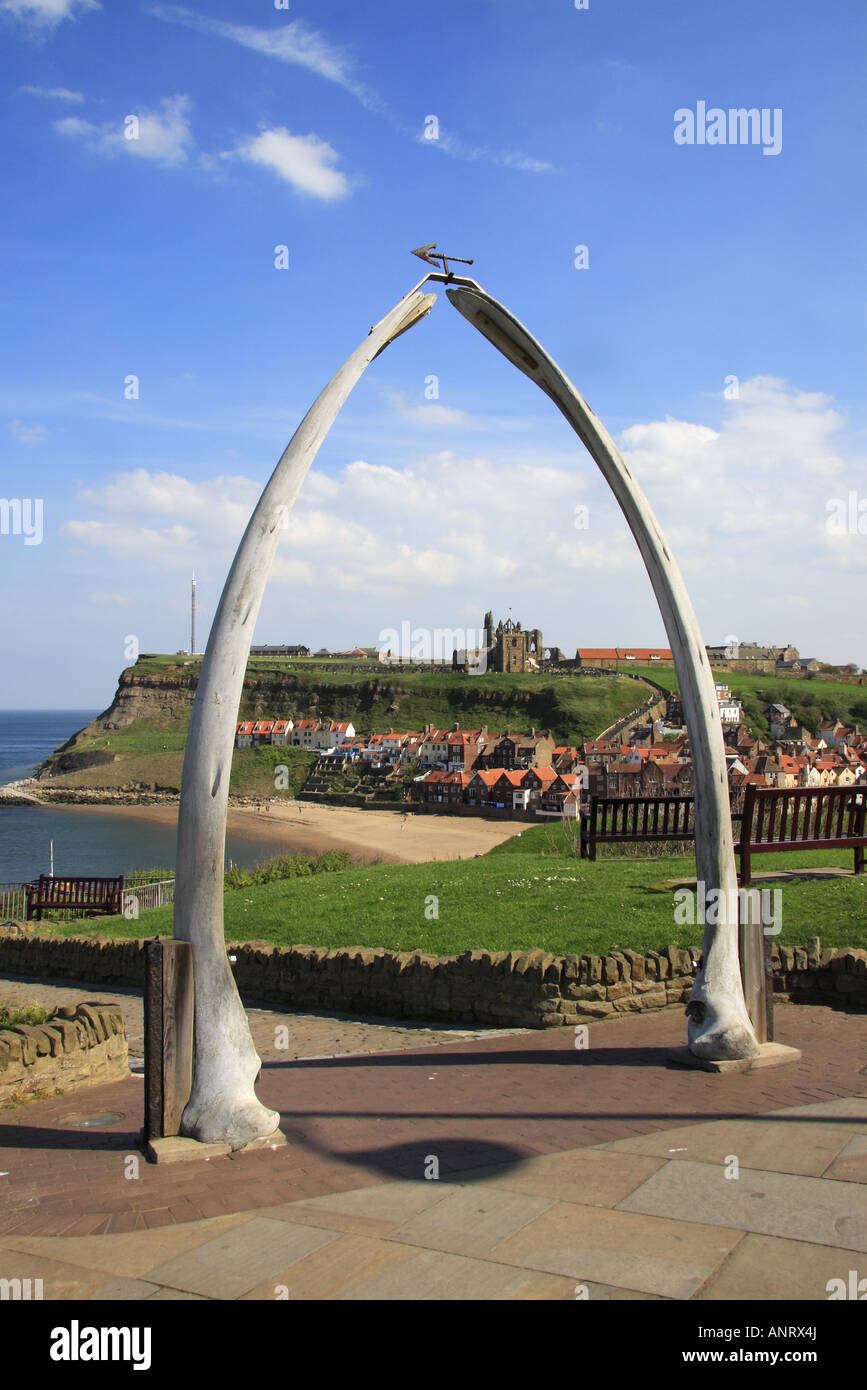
455,727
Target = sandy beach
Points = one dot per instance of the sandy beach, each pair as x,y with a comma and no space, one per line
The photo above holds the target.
367,835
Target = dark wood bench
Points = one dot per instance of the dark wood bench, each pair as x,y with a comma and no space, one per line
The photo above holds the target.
784,818
623,819
91,897
773,819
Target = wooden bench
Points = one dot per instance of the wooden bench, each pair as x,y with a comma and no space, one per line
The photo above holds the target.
622,819
784,818
92,897
773,819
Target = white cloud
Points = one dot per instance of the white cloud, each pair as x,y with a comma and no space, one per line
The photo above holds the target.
163,136
772,429
673,450
124,541
47,14
430,413
292,42
436,536
27,434
53,93
304,161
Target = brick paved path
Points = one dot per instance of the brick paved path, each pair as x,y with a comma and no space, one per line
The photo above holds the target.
354,1121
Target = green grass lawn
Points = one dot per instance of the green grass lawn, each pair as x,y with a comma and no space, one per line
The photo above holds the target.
525,893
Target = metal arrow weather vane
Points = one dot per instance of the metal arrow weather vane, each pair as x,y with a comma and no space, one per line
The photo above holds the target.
424,254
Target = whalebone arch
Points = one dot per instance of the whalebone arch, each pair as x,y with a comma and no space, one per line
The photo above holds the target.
223,1105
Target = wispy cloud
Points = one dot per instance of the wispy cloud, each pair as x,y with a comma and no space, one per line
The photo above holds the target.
163,136
27,434
430,413
47,14
53,93
109,598
304,161
480,154
294,43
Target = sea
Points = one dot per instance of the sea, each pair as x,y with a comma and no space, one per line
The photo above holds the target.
83,841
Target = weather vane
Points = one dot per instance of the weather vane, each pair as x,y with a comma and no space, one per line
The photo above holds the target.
424,254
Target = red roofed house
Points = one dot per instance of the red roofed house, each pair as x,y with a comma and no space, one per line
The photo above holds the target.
615,658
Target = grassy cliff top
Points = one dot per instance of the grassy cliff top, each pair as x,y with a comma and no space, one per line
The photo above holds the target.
141,737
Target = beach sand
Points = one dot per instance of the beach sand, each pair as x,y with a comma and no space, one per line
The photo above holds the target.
367,835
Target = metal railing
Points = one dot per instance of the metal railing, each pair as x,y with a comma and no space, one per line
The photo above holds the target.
13,905
146,896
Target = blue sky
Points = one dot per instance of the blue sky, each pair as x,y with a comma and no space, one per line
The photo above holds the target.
717,329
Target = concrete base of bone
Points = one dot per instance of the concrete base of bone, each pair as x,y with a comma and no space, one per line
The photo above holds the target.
180,1149
770,1054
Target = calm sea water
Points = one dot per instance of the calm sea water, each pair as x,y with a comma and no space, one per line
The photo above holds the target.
85,841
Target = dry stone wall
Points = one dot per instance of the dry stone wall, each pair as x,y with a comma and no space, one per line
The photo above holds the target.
79,1047
525,989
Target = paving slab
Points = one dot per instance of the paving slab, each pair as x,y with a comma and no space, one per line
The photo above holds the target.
848,1112
771,1268
368,1211
435,1275
776,1204
471,1221
332,1270
779,1146
590,1177
175,1296
124,1291
129,1256
235,1262
60,1280
647,1254
850,1165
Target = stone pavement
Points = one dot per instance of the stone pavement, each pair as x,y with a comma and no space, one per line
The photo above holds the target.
563,1172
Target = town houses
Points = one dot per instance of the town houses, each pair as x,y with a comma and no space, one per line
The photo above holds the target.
301,733
529,774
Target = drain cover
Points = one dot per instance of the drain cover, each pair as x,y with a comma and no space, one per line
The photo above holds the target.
102,1117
